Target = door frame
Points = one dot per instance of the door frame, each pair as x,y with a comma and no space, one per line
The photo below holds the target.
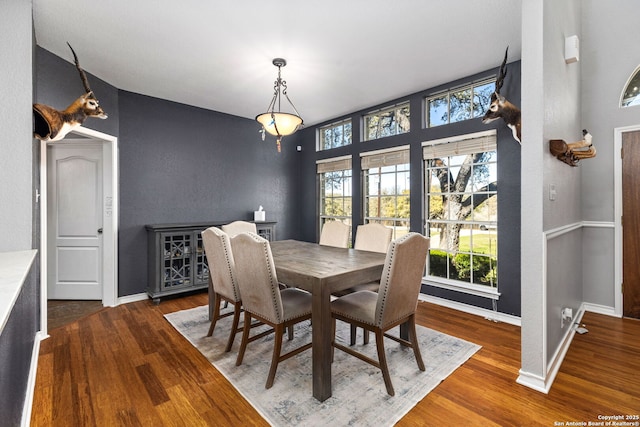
110,215
617,213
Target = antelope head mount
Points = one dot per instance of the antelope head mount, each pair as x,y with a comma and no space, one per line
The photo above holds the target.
53,125
500,107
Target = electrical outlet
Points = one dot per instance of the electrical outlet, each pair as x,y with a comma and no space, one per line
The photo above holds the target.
566,316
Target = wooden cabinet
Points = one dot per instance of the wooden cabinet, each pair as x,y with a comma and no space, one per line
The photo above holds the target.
176,259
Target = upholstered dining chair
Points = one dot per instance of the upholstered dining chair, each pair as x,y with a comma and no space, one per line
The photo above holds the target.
335,233
394,304
372,237
222,279
264,300
236,227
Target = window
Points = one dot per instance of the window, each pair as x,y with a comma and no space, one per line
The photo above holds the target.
459,104
335,190
386,189
335,135
387,122
631,94
461,202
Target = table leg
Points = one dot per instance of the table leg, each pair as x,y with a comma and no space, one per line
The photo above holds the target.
321,342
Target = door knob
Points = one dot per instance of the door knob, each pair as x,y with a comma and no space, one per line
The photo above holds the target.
100,230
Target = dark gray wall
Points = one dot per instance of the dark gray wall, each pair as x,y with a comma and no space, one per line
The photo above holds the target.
58,85
186,164
508,181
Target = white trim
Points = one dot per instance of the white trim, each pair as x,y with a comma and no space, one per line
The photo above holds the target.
470,289
460,137
551,368
132,298
617,215
600,309
31,381
110,219
471,309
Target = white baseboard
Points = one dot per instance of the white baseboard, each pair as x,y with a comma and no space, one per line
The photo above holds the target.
466,308
132,298
601,309
31,381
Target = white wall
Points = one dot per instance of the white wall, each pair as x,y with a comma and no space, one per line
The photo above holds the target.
550,110
15,125
610,52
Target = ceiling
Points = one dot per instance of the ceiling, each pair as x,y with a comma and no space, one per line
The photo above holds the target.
342,56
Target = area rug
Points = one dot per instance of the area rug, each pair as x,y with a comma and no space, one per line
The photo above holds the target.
359,397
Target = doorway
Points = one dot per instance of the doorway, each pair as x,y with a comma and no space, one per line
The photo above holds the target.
79,218
631,223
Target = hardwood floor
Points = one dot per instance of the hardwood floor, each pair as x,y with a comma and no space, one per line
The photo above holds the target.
127,366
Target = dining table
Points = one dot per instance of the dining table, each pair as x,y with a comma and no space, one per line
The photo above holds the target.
323,270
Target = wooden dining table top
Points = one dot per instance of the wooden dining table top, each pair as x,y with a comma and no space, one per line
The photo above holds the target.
322,270
303,263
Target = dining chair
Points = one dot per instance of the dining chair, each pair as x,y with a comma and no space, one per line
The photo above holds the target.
335,233
394,304
222,279
236,227
264,300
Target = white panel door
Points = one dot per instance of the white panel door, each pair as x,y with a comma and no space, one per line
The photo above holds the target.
74,221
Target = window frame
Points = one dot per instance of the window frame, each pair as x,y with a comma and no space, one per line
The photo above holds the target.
456,147
336,164
339,124
385,159
448,93
381,111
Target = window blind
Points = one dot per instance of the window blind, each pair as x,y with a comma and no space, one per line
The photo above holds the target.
389,158
471,145
340,164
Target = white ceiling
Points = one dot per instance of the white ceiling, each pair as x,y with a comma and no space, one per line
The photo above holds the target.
342,55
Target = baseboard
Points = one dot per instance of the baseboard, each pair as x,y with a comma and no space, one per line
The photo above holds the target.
31,381
601,309
477,311
132,298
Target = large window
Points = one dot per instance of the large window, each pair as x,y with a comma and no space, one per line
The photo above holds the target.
461,202
387,122
459,104
334,135
386,189
335,190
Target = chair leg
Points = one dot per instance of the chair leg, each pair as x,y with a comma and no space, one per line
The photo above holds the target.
413,337
354,330
216,313
382,359
237,308
245,337
290,332
275,359
365,336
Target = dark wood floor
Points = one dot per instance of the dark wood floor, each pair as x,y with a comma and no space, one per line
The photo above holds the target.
127,366
63,312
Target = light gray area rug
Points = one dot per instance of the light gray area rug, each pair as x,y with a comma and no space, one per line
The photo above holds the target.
359,396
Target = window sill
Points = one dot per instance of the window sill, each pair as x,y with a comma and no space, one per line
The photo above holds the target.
477,290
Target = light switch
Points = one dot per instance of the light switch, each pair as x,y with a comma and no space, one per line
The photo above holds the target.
552,192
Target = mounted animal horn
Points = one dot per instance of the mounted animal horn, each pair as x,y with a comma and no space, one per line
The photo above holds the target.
500,107
53,125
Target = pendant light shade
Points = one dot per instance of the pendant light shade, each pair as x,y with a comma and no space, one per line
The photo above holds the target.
278,123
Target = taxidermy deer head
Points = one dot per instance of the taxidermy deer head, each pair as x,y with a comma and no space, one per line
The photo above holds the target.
53,125
500,107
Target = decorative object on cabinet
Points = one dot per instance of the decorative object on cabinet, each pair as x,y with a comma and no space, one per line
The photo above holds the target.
500,107
279,123
50,124
176,259
572,153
